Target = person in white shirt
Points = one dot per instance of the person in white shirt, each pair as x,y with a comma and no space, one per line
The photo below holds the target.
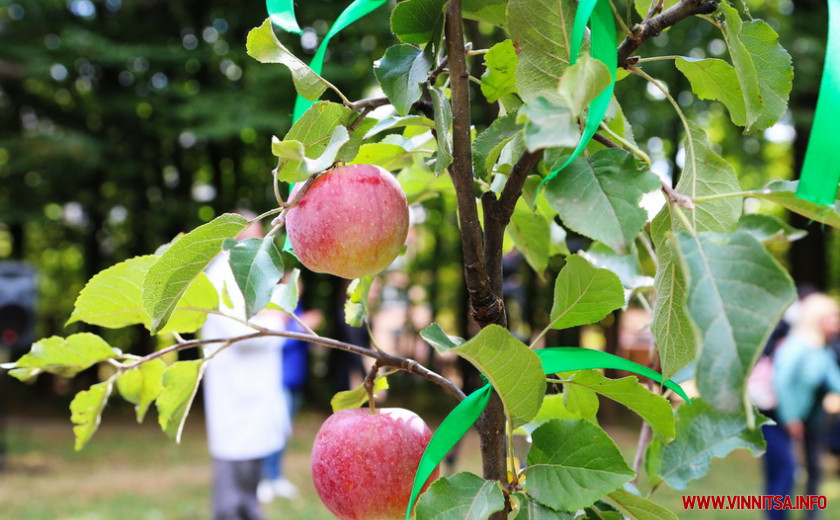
244,406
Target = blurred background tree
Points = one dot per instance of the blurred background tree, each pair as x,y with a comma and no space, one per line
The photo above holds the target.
125,122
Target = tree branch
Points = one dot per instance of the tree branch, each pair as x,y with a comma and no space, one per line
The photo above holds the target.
651,27
485,304
382,359
497,214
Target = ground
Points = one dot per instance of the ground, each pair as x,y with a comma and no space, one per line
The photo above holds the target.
134,472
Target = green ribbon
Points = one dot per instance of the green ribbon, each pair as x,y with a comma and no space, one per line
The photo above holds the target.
604,47
463,416
450,431
821,168
563,359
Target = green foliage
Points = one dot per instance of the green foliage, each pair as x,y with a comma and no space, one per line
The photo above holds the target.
142,385
511,367
113,299
416,21
264,47
639,508
599,197
400,72
286,295
62,356
572,464
257,267
584,294
86,411
358,396
179,384
732,280
295,166
499,78
170,277
463,496
702,434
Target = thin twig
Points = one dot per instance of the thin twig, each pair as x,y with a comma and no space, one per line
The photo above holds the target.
652,26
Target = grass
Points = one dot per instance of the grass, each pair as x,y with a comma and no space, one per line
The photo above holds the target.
134,472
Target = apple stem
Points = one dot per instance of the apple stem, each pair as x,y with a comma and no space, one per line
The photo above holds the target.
370,382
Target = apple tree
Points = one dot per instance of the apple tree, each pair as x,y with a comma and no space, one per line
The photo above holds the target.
556,155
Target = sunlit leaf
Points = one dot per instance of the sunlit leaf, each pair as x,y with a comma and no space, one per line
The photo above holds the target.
61,356
141,386
499,78
415,21
358,396
511,367
170,277
263,46
257,267
180,384
584,294
86,411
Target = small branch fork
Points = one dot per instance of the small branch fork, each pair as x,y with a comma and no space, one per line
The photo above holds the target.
654,24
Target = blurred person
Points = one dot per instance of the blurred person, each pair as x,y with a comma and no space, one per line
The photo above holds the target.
803,370
245,410
295,370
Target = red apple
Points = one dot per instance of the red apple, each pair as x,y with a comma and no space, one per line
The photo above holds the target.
351,222
363,463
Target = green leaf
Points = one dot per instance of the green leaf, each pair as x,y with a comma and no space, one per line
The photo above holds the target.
61,356
737,293
511,367
356,308
584,294
703,434
463,496
704,173
599,197
357,397
628,267
391,122
572,464
316,131
170,277
490,11
526,508
642,6
436,337
743,63
582,82
783,193
774,68
443,128
553,407
263,46
499,78
86,411
654,409
257,267
142,385
767,228
180,383
582,402
639,508
715,79
113,299
488,145
415,21
671,324
295,166
285,296
530,232
548,124
392,157
401,72
543,41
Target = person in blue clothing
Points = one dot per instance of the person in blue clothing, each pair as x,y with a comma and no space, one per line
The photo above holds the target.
295,363
803,370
